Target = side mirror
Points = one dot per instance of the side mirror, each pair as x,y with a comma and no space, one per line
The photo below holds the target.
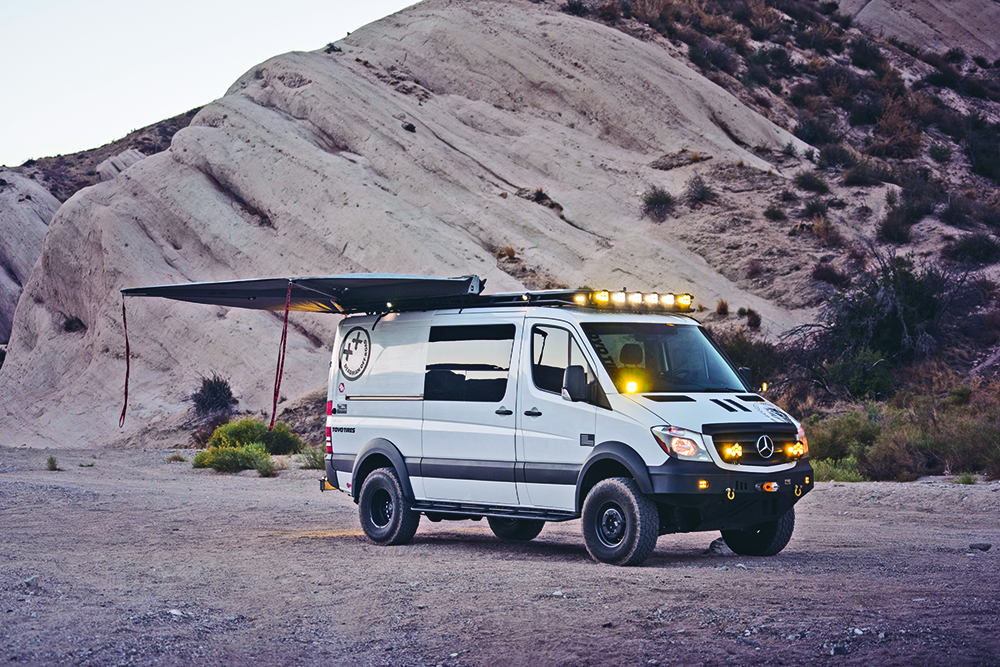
574,384
747,374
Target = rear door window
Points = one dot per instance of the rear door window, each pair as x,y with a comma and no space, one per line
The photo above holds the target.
468,363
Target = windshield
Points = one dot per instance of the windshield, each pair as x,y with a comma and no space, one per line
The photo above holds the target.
650,358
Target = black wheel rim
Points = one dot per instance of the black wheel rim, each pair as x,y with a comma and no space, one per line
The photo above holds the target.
610,524
381,508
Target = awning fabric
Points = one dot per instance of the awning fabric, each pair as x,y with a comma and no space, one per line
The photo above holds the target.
359,292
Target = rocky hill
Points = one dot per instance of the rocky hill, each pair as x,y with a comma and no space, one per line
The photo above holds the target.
529,143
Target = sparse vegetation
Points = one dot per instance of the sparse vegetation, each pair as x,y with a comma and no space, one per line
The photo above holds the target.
844,470
176,457
722,308
657,203
753,319
698,191
828,273
311,458
213,397
812,181
967,478
775,212
939,153
230,457
52,464
978,248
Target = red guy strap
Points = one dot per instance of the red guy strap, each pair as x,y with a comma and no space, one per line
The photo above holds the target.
121,420
281,357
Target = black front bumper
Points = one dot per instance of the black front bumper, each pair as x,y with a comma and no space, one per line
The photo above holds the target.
696,496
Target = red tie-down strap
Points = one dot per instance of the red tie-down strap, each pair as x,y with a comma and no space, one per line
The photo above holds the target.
281,357
121,420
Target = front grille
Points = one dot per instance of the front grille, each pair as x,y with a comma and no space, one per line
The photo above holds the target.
782,435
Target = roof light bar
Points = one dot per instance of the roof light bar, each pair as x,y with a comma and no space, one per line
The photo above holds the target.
632,301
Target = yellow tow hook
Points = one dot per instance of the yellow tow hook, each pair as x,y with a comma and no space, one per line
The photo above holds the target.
798,490
730,494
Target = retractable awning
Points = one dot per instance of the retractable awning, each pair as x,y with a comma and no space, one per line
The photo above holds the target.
359,292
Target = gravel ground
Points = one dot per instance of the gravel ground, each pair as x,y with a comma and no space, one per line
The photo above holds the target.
124,558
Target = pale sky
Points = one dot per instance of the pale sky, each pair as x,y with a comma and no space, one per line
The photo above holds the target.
77,74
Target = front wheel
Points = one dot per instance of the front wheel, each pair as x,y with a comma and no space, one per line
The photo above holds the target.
620,524
515,530
387,517
764,539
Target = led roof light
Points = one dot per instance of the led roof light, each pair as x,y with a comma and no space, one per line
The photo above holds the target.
635,298
653,299
684,300
602,297
667,299
619,298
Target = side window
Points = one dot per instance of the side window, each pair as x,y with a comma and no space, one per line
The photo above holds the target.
468,363
552,350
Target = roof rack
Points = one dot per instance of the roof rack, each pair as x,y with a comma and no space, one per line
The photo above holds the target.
384,293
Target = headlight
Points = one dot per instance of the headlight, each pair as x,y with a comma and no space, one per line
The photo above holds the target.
802,441
681,443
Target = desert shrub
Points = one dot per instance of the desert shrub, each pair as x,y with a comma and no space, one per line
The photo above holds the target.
865,53
203,433
814,207
982,62
575,7
919,196
822,37
753,319
311,458
741,311
829,470
816,131
868,172
787,195
895,311
722,57
52,463
697,191
775,212
757,75
898,135
826,232
865,110
864,374
982,146
828,273
754,268
954,55
280,440
835,437
230,457
957,211
977,248
967,478
213,397
843,20
939,153
610,11
698,57
835,155
264,465
657,203
812,181
176,457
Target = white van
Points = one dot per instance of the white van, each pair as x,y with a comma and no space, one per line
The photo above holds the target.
552,406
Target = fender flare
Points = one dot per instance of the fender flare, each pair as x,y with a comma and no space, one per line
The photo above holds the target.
618,452
381,446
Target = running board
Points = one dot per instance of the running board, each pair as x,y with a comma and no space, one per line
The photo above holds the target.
465,509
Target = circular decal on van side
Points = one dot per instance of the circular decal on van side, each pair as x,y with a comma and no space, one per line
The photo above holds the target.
355,353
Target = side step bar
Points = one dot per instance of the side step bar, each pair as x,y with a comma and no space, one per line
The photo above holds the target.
465,509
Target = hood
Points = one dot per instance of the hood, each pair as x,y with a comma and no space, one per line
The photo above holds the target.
695,410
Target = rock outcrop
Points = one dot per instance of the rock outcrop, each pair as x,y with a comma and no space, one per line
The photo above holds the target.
110,168
402,149
25,211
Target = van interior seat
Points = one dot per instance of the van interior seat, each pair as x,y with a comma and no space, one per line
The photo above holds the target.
631,354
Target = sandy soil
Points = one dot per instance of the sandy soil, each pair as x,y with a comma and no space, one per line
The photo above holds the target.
133,560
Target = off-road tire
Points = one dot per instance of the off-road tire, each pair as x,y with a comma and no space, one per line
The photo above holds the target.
620,524
764,539
387,517
515,530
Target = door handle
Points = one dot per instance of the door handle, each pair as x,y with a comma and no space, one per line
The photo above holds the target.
502,411
533,412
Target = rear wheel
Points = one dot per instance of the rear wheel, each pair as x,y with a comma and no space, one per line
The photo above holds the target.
515,530
620,524
764,539
387,517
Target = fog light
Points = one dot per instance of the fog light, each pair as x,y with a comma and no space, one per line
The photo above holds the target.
733,451
807,479
702,484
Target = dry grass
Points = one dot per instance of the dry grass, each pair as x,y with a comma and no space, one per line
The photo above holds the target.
722,308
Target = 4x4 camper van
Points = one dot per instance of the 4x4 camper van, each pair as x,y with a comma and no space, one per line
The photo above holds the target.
557,405
543,406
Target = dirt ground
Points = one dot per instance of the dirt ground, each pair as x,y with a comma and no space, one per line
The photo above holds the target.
123,558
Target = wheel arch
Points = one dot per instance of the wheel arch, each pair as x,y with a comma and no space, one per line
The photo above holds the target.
611,459
379,453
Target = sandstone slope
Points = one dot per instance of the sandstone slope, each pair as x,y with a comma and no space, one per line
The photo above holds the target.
401,150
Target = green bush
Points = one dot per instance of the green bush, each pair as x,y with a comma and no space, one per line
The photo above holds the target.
698,191
775,212
976,248
835,437
868,172
864,374
215,396
278,441
939,153
264,465
231,458
967,478
311,458
844,470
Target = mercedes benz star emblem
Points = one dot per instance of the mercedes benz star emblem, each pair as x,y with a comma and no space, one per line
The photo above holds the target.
765,446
